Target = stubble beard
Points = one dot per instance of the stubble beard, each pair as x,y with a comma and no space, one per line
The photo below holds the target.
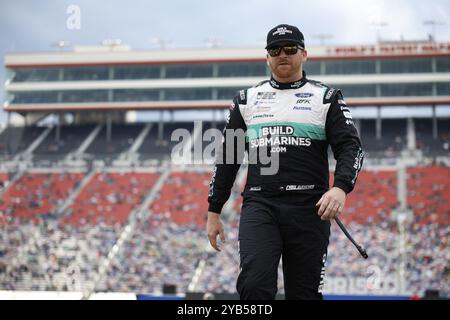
287,71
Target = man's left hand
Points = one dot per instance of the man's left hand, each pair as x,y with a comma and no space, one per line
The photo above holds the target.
331,204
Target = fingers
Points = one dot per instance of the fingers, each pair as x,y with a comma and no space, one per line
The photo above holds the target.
331,204
212,236
325,210
214,227
324,202
222,235
320,201
332,211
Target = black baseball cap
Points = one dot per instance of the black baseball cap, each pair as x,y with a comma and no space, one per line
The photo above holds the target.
285,33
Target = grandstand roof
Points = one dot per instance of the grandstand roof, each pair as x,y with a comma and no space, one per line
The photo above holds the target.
105,56
99,78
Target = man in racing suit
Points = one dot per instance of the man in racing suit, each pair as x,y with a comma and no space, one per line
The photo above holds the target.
286,214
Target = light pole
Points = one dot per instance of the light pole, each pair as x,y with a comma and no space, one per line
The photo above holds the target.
377,25
433,24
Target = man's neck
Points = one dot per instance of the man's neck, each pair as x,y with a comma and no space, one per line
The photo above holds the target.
298,82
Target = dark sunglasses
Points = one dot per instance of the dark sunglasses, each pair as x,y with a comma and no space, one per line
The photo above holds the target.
289,50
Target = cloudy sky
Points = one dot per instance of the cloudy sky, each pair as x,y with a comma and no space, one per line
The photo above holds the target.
27,25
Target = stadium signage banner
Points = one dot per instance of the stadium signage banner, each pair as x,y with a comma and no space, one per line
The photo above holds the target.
391,49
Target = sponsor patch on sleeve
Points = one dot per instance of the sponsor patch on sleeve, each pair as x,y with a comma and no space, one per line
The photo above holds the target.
347,114
329,94
242,97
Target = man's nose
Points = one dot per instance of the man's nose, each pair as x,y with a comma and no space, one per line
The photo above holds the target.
282,53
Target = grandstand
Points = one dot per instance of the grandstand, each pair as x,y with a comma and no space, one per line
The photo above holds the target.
91,201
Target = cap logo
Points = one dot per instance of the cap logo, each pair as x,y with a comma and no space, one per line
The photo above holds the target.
282,31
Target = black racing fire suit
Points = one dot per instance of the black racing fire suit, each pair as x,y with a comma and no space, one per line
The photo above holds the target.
292,123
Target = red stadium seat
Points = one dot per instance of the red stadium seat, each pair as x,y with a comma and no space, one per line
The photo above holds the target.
183,197
35,194
111,197
429,194
373,198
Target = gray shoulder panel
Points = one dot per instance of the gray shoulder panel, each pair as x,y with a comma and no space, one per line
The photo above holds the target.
260,83
330,95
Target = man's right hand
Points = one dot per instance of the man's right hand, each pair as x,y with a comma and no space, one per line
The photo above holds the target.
214,227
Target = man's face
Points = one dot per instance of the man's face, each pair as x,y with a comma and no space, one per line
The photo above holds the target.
287,65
